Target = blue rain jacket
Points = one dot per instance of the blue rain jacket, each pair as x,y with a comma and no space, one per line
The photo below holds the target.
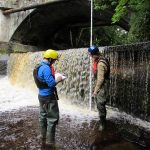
45,74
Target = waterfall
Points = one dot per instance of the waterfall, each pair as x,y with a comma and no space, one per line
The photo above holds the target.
129,83
74,63
3,64
129,90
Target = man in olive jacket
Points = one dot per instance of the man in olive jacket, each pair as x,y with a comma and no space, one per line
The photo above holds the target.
101,69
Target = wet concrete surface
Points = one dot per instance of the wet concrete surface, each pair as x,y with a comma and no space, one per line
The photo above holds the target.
19,130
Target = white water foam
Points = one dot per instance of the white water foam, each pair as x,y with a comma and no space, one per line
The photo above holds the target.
15,98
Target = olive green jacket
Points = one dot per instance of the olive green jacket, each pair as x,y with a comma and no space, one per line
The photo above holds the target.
100,78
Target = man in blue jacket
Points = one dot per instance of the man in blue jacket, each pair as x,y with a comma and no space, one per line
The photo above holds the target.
46,83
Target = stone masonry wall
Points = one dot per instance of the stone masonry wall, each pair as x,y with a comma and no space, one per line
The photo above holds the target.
129,83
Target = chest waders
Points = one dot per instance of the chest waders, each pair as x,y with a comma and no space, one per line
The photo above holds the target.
102,96
49,111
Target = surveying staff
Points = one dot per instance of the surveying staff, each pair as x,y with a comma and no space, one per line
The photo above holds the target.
101,69
49,110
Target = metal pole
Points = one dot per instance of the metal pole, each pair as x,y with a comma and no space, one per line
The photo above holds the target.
91,39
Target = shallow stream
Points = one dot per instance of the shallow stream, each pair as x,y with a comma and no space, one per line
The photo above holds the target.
77,128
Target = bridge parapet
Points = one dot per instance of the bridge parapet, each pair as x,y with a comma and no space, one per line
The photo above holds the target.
19,3
9,23
51,24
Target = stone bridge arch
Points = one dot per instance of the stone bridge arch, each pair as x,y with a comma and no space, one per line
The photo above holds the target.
50,26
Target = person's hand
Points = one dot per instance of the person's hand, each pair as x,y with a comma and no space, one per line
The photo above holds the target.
94,94
59,79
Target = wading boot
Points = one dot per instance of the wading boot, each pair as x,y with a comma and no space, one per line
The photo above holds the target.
50,141
102,123
53,147
43,135
50,147
43,143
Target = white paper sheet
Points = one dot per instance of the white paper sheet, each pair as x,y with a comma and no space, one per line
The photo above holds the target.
59,74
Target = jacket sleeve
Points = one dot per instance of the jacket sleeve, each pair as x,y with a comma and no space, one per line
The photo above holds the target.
101,68
49,79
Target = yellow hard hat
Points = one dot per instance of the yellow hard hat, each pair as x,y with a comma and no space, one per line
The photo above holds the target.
51,54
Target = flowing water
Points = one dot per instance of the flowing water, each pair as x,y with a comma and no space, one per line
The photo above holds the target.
130,79
77,128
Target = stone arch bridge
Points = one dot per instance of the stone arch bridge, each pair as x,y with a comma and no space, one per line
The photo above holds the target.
50,23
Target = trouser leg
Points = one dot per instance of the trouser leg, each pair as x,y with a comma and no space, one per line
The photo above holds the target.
43,122
102,116
101,106
52,120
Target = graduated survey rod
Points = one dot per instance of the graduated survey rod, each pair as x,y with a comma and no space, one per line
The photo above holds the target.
14,10
91,43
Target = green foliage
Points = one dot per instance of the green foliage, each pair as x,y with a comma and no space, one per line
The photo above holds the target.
120,10
104,4
136,11
138,14
140,22
110,35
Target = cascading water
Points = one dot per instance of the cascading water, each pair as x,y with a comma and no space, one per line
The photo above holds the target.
126,77
3,64
129,84
73,63
129,90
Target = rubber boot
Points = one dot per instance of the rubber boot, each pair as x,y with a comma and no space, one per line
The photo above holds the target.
102,123
51,135
43,137
50,143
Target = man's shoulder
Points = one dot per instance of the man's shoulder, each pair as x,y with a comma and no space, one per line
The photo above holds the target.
104,60
43,66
